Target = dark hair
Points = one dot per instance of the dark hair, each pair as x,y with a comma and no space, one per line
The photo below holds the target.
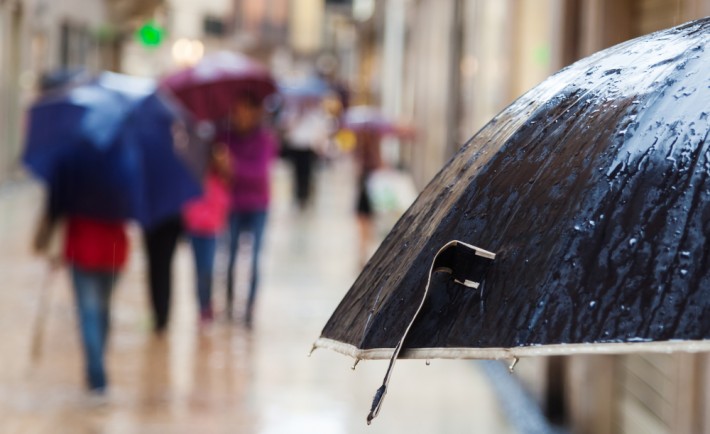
249,97
56,79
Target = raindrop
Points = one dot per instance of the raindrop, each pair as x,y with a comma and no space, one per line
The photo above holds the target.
601,217
355,364
511,367
428,362
591,223
592,304
577,228
683,272
632,242
685,254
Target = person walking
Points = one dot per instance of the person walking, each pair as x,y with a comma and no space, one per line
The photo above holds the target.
252,148
96,251
205,218
307,133
368,157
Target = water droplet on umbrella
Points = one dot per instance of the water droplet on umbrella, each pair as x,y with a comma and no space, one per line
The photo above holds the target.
683,272
632,242
577,228
592,304
685,254
428,362
511,367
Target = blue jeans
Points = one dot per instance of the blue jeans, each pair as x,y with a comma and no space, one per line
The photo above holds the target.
240,222
204,247
93,300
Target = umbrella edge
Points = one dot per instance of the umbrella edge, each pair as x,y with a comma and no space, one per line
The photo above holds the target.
693,346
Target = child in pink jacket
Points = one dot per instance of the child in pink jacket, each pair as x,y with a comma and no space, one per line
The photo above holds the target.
205,218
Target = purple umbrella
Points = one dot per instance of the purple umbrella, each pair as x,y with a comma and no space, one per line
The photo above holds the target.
209,88
368,118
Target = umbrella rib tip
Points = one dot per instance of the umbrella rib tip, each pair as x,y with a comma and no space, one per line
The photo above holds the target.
376,403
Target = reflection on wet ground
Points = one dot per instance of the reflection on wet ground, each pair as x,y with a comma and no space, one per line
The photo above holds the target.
225,379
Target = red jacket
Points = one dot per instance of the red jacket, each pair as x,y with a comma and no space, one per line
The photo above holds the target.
95,245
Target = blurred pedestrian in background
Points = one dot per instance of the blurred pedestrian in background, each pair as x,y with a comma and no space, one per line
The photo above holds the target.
308,129
368,156
95,251
94,248
205,219
252,148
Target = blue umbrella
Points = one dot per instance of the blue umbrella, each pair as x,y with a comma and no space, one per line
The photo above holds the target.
106,149
311,87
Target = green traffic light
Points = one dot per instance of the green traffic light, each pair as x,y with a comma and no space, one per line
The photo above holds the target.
150,34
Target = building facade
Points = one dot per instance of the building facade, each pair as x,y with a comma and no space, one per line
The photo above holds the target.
37,36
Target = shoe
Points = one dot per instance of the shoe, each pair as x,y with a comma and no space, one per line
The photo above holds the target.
97,398
160,329
249,320
206,315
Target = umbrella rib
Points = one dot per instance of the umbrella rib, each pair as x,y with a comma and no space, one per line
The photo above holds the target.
382,390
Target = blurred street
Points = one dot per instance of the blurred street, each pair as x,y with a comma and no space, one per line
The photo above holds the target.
225,379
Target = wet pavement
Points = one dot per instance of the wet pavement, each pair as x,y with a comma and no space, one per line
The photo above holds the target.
226,379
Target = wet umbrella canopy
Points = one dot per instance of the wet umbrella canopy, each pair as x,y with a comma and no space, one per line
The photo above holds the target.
592,191
108,148
209,88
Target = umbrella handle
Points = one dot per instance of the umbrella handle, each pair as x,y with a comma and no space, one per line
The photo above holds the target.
450,258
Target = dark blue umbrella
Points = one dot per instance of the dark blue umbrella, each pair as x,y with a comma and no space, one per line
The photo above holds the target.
107,149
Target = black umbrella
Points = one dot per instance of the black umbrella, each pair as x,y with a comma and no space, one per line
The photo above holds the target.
593,193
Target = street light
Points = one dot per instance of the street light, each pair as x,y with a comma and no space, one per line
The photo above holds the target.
187,51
